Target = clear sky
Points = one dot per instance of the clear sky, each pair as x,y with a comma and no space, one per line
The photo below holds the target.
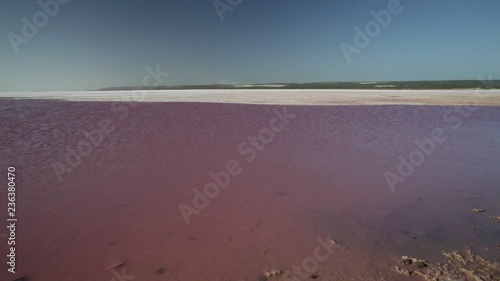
91,44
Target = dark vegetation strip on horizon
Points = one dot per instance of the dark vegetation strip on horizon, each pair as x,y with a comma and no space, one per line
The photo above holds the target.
380,85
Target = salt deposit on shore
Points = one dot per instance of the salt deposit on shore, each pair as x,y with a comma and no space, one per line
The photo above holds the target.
280,96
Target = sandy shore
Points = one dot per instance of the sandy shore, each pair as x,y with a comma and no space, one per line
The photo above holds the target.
279,96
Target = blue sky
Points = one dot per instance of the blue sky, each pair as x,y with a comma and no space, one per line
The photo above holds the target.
93,44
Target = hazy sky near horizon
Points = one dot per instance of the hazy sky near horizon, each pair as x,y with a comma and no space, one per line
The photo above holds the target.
93,44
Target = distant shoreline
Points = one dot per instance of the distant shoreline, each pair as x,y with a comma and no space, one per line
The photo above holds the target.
364,85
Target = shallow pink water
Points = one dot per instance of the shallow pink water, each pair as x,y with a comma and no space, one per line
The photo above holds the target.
322,175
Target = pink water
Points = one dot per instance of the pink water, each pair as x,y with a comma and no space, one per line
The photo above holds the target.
322,175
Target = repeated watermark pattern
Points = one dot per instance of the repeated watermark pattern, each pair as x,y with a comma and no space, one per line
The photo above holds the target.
121,276
49,9
426,147
75,155
248,149
363,37
309,265
223,6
